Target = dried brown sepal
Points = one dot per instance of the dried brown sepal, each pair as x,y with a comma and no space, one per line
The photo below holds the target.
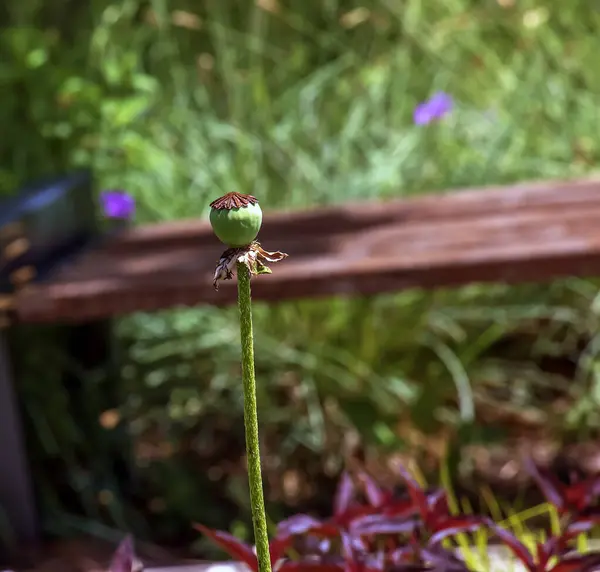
233,201
253,256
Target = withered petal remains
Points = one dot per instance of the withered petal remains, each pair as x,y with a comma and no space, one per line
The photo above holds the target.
253,256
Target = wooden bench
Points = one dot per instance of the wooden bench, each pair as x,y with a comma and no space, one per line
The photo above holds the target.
521,233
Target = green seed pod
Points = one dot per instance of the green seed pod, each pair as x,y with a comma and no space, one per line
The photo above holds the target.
236,219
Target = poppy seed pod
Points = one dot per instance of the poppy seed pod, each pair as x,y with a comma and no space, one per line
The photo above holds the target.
236,219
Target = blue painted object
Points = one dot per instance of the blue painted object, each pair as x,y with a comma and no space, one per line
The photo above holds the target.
57,217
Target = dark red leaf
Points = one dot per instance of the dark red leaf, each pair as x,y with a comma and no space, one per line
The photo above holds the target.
545,551
437,501
356,557
548,484
553,546
516,547
124,558
358,544
400,507
233,546
352,513
305,524
409,479
417,494
437,509
578,496
444,560
559,545
579,525
587,518
456,525
278,547
592,513
297,524
379,524
402,554
575,497
403,560
376,496
349,553
344,495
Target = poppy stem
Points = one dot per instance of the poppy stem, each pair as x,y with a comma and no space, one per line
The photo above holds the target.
257,501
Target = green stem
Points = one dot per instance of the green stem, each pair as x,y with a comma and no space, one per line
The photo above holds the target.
257,500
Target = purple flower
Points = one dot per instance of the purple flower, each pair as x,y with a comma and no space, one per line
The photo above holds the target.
117,204
435,107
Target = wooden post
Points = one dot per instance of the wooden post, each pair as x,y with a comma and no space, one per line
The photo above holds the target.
16,489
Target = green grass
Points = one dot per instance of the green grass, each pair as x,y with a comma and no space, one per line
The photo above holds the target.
307,106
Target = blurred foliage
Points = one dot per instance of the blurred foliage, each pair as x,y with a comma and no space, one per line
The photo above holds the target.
302,103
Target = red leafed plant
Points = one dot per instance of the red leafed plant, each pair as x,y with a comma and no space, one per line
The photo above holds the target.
371,530
576,504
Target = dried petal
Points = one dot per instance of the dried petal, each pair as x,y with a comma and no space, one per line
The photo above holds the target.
266,256
252,256
225,266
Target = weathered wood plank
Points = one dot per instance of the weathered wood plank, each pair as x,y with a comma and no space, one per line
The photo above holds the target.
515,234
350,217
